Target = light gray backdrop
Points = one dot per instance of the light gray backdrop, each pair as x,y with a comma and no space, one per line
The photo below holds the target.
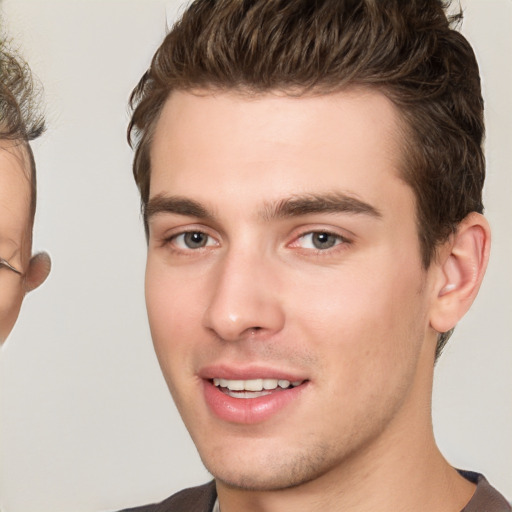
86,420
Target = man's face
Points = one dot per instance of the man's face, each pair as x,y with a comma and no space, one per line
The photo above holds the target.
14,232
286,297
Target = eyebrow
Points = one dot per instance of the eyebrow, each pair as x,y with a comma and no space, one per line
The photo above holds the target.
334,202
175,205
294,206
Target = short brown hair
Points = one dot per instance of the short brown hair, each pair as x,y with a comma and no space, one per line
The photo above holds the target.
21,119
407,49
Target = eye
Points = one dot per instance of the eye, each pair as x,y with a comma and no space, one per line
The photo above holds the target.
319,240
192,240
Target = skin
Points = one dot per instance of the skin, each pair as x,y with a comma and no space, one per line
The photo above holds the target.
16,236
357,321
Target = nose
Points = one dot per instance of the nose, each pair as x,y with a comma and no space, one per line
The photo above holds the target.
244,298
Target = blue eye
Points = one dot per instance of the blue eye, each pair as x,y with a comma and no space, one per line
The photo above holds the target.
320,240
193,240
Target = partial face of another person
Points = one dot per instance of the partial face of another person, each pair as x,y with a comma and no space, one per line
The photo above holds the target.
286,297
19,273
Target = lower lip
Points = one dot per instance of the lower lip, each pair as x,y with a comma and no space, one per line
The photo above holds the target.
248,410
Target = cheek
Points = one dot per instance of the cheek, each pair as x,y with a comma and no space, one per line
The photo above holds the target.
366,335
369,317
172,307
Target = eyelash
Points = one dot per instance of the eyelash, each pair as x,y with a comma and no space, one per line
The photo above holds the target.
170,242
340,240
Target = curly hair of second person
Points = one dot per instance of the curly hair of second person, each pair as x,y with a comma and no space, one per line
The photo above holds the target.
21,117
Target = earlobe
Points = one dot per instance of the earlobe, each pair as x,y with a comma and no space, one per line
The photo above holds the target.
462,263
38,270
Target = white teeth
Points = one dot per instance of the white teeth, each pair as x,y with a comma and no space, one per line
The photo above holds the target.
269,383
235,385
255,384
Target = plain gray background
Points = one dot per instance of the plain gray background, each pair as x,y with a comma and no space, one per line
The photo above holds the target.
87,423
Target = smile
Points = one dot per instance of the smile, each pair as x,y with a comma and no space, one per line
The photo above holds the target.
252,399
253,388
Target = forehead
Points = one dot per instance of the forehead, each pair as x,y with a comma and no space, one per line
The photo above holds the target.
14,195
240,139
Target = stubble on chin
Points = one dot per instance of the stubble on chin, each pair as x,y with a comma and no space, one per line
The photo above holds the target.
275,473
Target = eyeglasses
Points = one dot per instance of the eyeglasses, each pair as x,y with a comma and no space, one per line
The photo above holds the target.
5,263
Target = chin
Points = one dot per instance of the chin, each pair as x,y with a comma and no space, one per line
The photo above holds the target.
264,481
272,472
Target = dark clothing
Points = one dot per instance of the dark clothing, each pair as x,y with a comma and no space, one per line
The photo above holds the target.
196,499
202,499
486,497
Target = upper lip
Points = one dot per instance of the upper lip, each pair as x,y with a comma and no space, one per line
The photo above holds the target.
232,372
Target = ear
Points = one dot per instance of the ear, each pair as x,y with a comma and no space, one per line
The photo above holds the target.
461,264
38,270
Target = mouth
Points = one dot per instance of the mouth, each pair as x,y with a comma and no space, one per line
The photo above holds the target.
249,396
253,388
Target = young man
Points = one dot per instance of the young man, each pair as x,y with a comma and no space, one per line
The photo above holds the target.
311,178
19,123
